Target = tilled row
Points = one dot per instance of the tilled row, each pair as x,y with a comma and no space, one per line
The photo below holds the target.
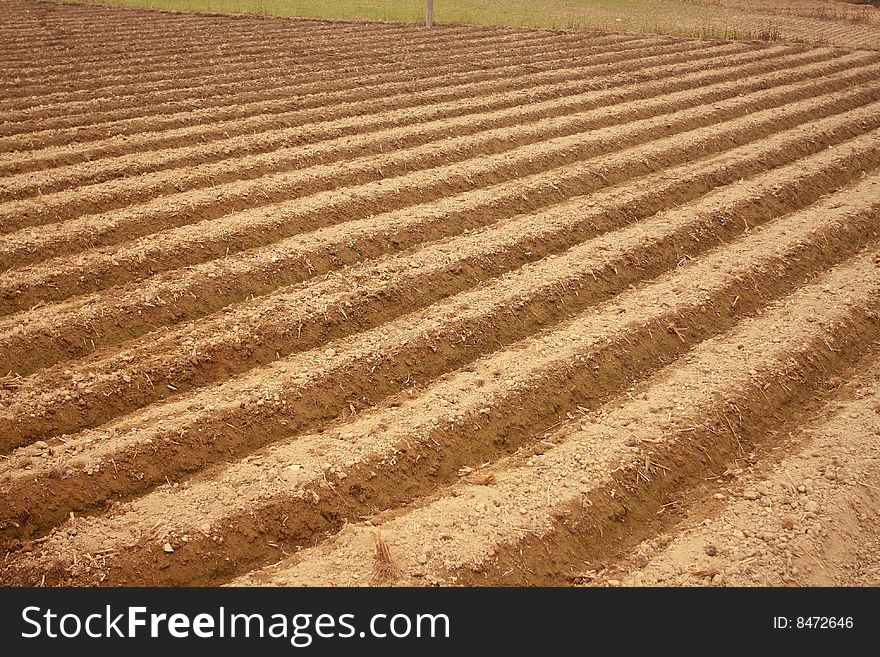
71,74
54,333
344,98
150,50
87,19
238,74
445,82
177,91
509,94
596,484
776,523
357,316
312,43
275,93
394,151
405,448
89,392
380,133
767,111
105,48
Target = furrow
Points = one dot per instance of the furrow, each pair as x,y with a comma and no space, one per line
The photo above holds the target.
295,97
373,130
51,334
238,232
312,44
546,518
321,302
532,89
492,405
194,355
562,118
165,25
242,118
176,85
778,517
175,90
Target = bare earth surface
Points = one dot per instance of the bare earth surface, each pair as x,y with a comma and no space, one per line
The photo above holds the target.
304,302
810,519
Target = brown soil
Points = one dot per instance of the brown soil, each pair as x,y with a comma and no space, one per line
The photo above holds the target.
557,308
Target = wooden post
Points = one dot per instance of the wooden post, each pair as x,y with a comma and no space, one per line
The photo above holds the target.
429,13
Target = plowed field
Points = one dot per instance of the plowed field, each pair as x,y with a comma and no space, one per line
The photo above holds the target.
304,302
